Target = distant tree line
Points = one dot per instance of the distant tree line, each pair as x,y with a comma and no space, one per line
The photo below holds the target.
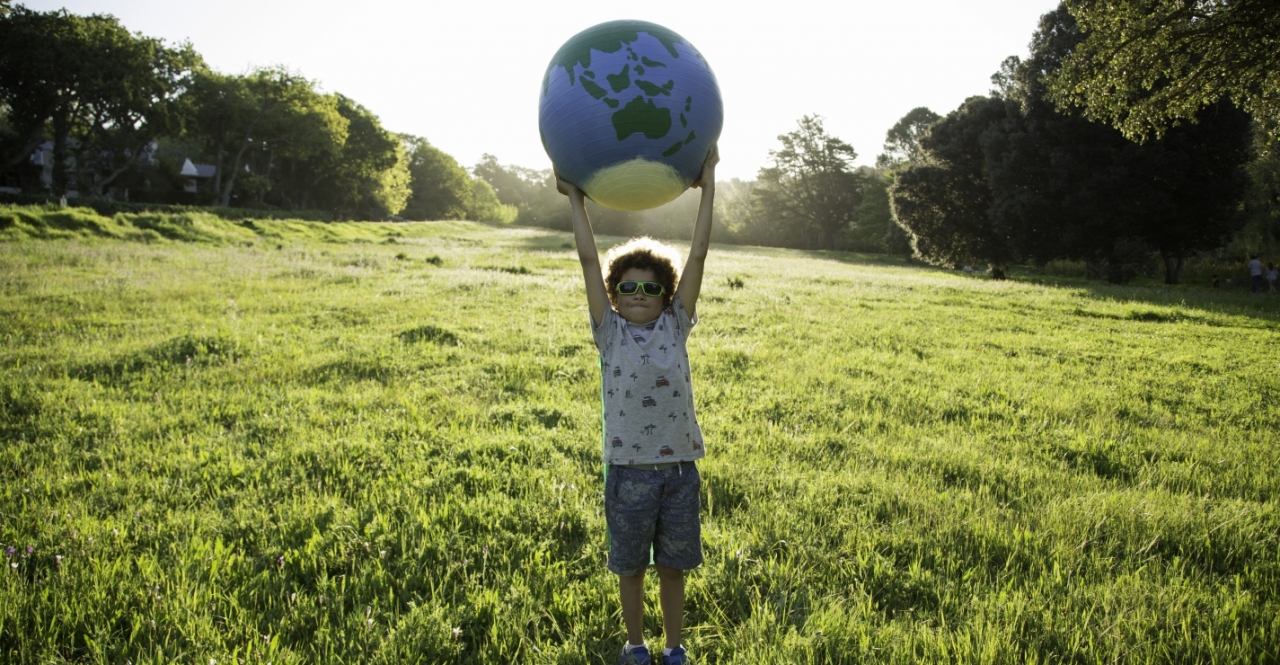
121,113
1134,132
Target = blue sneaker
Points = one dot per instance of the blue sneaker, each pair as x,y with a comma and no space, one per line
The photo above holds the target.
636,656
677,657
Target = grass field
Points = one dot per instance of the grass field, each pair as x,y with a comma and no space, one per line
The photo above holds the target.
379,443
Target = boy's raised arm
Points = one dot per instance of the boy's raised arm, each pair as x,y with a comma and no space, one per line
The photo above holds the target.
588,256
691,276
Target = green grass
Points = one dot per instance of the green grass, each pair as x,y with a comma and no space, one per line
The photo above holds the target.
294,442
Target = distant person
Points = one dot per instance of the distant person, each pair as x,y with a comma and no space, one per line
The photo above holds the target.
1255,274
1272,275
642,310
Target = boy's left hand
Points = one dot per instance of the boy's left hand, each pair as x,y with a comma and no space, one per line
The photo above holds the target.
708,167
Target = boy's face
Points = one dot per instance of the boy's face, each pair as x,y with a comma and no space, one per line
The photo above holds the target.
638,308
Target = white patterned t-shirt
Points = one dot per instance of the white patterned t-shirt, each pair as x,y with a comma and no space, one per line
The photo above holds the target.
648,394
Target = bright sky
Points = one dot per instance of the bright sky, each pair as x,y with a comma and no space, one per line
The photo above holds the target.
465,74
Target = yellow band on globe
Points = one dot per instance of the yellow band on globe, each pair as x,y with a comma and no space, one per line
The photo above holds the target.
638,184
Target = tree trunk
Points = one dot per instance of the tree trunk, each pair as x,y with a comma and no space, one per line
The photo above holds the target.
231,179
60,131
1172,268
218,167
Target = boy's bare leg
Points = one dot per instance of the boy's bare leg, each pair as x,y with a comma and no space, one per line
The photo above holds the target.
632,591
671,595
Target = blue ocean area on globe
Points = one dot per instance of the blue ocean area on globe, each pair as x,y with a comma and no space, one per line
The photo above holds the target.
627,113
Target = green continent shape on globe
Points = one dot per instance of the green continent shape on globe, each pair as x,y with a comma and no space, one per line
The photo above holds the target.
639,115
610,38
642,115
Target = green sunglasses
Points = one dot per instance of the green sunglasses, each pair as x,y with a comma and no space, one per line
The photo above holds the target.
651,289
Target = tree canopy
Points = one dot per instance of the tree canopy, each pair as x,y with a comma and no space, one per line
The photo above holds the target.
811,192
1011,178
103,93
902,141
1147,65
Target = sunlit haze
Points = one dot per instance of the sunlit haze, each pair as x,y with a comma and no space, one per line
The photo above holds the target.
466,75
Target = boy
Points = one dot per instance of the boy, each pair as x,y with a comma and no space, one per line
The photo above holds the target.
641,313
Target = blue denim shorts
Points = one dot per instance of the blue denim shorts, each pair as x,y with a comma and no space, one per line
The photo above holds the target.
645,507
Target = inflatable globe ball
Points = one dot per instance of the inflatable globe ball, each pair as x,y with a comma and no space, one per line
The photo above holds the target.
627,113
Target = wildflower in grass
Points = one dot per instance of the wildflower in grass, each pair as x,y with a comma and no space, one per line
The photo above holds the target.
280,560
457,632
30,549
9,551
14,565
57,560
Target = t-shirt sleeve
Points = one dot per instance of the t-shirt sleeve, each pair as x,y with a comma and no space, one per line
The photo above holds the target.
683,323
603,334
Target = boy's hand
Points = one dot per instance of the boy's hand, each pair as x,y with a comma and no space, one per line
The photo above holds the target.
567,188
708,167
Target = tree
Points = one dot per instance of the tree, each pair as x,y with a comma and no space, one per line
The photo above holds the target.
366,176
485,206
531,191
440,188
811,192
1261,232
944,199
1147,65
1079,189
102,92
1011,178
251,124
901,148
902,141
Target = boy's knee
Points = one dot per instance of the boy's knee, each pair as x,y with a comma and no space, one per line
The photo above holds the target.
632,578
669,574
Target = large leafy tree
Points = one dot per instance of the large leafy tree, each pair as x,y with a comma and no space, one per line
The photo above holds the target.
811,192
102,93
1147,65
902,141
1011,178
1081,190
1262,202
530,192
366,176
944,199
901,148
440,188
253,125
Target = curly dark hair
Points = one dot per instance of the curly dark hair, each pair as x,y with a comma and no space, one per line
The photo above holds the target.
643,253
